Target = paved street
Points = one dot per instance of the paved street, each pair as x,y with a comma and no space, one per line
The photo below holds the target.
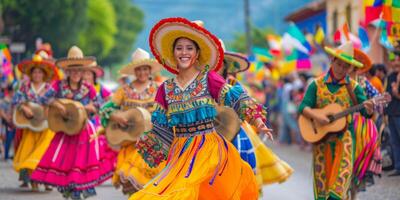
298,187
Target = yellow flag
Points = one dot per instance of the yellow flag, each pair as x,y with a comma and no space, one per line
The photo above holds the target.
319,35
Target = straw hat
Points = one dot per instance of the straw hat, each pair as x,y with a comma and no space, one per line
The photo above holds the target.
235,62
37,61
140,58
344,52
97,69
75,59
364,59
166,31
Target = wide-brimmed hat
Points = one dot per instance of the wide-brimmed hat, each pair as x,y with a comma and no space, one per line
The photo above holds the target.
140,58
95,68
166,31
235,62
26,67
364,59
75,59
344,52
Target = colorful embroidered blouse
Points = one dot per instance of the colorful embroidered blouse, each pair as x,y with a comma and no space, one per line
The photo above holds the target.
310,97
27,92
85,94
190,111
128,97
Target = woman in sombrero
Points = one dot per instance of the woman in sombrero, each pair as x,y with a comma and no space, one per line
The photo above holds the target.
201,164
269,167
131,171
36,90
73,163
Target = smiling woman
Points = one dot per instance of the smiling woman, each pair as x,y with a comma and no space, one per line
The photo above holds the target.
200,161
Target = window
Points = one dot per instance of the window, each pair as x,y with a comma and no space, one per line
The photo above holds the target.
335,21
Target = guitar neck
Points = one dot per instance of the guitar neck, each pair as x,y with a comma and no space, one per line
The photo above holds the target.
348,111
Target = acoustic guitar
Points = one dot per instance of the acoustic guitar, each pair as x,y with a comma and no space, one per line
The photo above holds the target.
73,122
36,123
227,122
139,121
313,132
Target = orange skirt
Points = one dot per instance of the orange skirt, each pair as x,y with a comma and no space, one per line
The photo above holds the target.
202,167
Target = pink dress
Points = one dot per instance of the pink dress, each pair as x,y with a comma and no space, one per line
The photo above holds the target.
74,162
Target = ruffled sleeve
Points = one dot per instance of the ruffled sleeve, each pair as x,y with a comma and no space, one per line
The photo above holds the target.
20,95
235,97
154,145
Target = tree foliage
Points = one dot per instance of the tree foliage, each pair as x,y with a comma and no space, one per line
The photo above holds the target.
56,21
97,38
129,23
258,39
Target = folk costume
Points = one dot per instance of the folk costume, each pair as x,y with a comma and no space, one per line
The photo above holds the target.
201,164
368,157
333,156
269,167
132,172
73,163
33,143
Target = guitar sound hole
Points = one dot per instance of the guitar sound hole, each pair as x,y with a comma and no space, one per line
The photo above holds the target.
331,118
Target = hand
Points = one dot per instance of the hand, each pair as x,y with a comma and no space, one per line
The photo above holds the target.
369,106
27,111
120,120
395,87
90,108
262,128
321,119
61,109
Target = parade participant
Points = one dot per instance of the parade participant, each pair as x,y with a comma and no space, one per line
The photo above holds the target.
201,164
33,143
91,75
367,157
73,163
131,171
333,156
269,167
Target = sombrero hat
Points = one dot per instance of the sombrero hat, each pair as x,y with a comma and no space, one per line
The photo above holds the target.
235,62
26,67
344,52
140,58
75,59
166,31
95,68
364,59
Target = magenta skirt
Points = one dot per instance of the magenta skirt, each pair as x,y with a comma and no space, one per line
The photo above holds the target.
75,162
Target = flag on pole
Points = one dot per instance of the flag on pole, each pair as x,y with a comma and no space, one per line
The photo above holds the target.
262,54
295,33
275,44
319,35
373,10
362,34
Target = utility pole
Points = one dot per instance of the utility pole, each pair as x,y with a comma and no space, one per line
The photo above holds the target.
247,26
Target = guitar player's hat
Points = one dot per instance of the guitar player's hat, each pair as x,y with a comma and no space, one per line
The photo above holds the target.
345,53
26,67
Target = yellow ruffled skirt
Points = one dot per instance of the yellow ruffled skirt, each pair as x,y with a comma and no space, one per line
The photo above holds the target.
202,167
131,167
271,168
32,147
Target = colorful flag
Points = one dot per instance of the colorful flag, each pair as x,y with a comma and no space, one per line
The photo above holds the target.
262,54
362,34
373,10
275,44
295,33
319,35
391,11
343,34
